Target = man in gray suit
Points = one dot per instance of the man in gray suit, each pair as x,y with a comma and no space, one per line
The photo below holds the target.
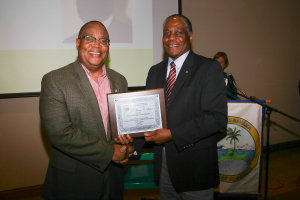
85,162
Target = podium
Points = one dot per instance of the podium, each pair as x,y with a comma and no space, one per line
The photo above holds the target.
240,149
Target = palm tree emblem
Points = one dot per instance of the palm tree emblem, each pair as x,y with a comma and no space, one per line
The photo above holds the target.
232,135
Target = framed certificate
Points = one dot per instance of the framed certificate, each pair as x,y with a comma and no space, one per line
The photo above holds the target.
137,112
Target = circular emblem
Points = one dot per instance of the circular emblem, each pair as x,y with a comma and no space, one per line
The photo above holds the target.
126,108
239,150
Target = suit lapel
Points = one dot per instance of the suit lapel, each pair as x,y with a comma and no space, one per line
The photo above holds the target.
182,76
88,92
115,88
162,75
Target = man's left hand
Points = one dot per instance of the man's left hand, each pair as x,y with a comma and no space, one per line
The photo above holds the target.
159,136
124,139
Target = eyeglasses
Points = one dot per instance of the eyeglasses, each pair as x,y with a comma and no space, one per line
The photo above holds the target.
91,40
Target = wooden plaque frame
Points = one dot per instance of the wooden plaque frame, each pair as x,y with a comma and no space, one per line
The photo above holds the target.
112,110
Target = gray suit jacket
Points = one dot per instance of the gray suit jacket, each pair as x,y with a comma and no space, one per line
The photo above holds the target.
80,153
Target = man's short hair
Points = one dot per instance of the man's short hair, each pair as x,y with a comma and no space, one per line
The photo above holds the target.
186,21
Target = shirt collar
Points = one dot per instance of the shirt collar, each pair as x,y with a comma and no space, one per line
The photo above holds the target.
88,73
178,62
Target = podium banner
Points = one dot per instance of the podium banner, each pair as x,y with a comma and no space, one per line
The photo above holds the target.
240,148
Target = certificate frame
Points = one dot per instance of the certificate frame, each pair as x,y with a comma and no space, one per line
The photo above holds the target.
114,100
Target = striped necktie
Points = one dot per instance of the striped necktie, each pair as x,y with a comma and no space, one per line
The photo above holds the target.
170,82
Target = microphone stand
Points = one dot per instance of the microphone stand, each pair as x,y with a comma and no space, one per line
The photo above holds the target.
269,110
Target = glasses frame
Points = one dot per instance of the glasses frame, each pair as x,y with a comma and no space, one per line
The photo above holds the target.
92,43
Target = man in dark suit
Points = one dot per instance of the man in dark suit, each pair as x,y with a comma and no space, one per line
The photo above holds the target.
185,154
85,162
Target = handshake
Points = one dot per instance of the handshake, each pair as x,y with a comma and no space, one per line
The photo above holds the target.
122,149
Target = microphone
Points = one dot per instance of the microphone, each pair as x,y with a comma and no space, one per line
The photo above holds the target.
233,85
231,82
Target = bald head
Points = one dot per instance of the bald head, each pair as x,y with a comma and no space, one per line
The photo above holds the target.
80,34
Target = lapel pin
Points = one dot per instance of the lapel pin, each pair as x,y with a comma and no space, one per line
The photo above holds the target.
186,72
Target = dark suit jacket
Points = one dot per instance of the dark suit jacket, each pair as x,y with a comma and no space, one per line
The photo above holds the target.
196,111
80,151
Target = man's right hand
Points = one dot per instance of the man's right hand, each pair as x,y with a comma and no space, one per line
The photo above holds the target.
121,154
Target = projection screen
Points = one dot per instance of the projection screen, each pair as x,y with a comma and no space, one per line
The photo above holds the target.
37,37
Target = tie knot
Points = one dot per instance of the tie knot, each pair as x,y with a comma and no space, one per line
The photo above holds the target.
172,64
